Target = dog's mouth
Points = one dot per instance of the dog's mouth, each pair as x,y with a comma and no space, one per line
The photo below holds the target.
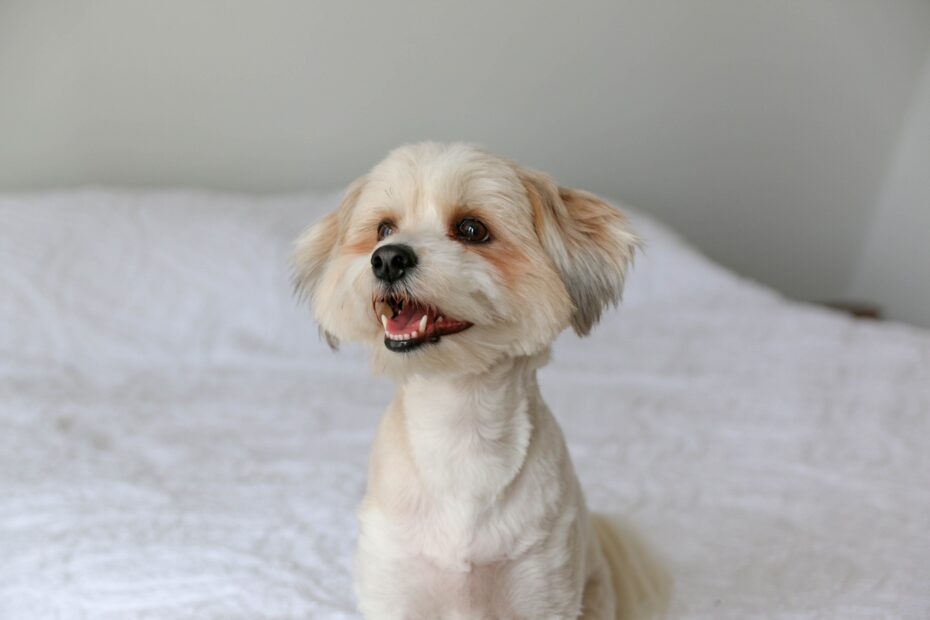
409,324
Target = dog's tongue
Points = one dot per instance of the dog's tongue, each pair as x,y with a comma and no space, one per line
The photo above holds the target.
407,320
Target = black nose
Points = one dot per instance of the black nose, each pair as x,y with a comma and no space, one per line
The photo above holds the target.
391,262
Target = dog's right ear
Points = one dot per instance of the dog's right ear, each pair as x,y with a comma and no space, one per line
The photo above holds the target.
318,244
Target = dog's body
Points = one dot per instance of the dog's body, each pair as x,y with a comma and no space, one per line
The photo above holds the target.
473,503
473,509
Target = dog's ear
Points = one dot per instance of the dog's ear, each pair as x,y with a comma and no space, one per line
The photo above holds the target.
589,241
318,244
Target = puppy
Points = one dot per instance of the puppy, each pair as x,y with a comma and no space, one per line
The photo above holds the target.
461,268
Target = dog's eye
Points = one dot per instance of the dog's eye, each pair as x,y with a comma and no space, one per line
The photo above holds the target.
472,230
385,229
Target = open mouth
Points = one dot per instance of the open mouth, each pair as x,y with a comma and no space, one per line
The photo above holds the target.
409,324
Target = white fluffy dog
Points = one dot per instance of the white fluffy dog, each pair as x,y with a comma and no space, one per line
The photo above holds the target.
461,268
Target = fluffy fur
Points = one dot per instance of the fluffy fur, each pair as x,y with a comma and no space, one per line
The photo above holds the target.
473,509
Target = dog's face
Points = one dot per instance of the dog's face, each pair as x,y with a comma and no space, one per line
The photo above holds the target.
448,259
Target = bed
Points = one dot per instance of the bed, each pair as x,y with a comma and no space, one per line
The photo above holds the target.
177,442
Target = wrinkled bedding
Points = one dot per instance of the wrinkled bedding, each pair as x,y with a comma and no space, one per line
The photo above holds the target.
177,442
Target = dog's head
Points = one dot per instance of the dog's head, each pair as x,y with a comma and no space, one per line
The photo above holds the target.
448,259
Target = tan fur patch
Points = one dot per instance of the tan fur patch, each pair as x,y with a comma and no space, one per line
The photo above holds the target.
592,216
508,260
362,246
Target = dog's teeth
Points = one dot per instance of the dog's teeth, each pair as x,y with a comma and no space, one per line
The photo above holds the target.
414,334
439,318
423,324
406,336
384,322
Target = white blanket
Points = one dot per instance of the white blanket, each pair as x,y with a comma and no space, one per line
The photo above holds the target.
176,442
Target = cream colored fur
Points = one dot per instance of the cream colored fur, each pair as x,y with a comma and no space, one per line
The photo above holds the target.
473,509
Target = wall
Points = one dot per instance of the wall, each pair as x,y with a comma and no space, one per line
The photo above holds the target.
759,129
894,265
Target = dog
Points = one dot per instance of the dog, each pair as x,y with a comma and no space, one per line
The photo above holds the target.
461,268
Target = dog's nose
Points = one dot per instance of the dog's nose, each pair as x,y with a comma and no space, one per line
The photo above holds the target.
391,262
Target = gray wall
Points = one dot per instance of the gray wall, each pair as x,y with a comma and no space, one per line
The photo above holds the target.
894,265
761,130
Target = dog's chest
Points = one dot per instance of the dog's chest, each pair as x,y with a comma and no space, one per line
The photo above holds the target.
453,537
471,497
467,456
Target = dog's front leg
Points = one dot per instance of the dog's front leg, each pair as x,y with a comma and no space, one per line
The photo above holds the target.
390,584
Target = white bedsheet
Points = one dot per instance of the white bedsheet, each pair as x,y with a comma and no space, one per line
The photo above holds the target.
176,442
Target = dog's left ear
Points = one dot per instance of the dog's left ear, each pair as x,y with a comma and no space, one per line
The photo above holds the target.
318,244
589,241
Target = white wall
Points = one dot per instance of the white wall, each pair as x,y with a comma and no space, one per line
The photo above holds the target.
894,265
760,129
